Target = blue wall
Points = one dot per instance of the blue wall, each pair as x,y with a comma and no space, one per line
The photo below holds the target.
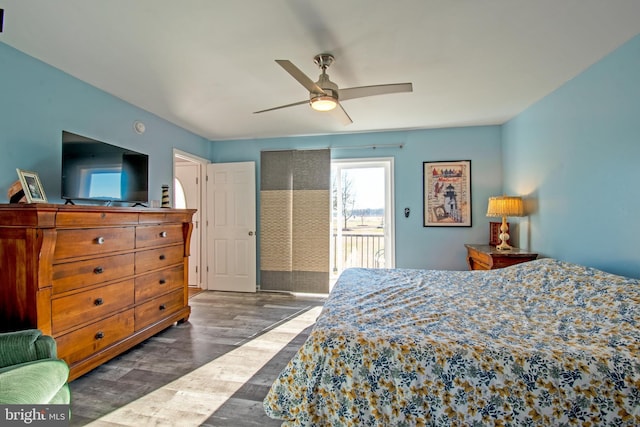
416,246
38,101
576,156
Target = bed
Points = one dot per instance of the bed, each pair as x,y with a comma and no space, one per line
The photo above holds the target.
536,344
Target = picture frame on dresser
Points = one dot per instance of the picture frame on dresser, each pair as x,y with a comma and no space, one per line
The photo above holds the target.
31,186
447,193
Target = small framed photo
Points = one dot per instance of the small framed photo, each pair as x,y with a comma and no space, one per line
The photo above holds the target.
32,187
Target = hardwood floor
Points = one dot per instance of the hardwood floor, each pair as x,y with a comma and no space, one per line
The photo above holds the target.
193,291
220,323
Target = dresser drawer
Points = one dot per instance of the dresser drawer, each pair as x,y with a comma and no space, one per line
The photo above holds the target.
90,305
96,219
93,241
159,258
157,309
164,216
158,235
158,283
78,274
78,345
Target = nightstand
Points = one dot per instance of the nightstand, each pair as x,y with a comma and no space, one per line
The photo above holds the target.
487,257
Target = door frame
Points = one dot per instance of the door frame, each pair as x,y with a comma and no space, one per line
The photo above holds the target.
202,170
388,164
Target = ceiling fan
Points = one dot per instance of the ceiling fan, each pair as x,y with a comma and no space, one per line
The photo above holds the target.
324,95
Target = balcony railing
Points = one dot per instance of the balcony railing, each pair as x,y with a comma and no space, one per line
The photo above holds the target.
358,250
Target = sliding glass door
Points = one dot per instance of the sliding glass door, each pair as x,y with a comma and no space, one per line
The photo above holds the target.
362,229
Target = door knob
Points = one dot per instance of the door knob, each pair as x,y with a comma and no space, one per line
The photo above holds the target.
251,233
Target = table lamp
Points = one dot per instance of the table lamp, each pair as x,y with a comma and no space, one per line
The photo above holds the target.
504,206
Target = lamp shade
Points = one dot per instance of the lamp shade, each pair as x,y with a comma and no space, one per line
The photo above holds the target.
502,206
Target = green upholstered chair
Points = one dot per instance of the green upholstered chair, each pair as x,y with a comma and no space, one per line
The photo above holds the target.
30,372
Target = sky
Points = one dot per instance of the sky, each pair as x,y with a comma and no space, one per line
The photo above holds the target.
368,184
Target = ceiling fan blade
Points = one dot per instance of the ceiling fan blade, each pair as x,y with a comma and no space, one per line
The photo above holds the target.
362,91
300,76
341,114
282,106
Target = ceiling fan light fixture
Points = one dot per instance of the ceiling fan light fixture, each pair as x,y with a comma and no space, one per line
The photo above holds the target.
324,103
324,95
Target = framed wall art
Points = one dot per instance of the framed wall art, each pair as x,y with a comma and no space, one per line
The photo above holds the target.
447,193
32,187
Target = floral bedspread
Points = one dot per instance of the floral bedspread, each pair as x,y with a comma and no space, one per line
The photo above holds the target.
537,344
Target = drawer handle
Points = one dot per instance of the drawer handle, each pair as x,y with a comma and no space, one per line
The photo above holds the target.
100,240
162,281
163,234
98,301
98,270
99,335
162,257
162,307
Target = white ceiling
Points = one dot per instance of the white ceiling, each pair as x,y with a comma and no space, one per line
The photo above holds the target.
206,65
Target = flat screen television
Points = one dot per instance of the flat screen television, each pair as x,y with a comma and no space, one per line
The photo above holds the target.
97,171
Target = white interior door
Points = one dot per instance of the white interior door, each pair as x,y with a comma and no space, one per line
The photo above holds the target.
231,226
188,185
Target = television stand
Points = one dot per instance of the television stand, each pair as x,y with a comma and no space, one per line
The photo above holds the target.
71,202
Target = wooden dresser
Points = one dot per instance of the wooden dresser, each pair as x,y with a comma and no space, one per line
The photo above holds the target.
98,279
487,257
